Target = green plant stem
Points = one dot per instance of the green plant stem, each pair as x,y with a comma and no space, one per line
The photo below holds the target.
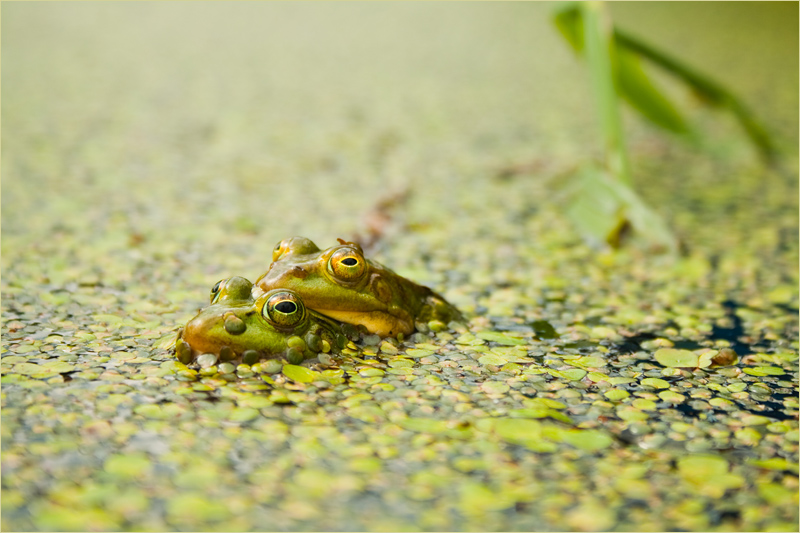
598,54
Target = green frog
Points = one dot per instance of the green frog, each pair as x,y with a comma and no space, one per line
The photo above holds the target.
342,284
237,327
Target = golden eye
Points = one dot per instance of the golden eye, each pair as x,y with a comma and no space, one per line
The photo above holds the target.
216,290
347,264
279,249
284,309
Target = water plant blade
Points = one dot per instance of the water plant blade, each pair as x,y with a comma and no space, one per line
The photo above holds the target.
710,91
636,88
569,22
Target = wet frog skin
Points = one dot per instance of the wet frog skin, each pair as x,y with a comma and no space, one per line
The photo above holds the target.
239,328
342,284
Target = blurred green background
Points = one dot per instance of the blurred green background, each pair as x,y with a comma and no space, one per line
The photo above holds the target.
189,118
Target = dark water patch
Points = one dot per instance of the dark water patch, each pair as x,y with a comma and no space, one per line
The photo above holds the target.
685,344
771,410
732,333
687,410
626,347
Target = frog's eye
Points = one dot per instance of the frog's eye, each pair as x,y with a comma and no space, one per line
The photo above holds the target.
347,264
284,309
216,290
231,289
279,250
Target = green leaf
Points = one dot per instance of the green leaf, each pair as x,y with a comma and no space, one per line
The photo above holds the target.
656,383
300,374
500,338
243,414
616,394
764,371
569,22
711,92
605,211
491,359
673,357
542,412
525,432
423,425
672,397
637,89
587,439
571,374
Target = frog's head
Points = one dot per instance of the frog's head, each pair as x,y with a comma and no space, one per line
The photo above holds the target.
239,327
336,277
340,283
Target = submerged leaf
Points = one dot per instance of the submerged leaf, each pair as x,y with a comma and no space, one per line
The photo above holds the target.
605,211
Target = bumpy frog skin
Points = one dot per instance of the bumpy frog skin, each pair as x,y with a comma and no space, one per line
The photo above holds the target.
239,328
342,284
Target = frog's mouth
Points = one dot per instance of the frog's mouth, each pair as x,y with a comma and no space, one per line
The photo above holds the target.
379,322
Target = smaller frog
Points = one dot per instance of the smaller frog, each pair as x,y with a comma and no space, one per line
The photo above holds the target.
342,284
239,328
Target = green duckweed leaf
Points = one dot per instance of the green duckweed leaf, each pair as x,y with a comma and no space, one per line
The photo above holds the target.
127,466
656,383
672,357
243,414
616,394
709,474
587,439
672,397
491,359
776,463
300,374
572,374
416,353
499,338
525,432
542,412
762,371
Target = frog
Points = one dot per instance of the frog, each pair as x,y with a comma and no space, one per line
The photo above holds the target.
240,328
341,283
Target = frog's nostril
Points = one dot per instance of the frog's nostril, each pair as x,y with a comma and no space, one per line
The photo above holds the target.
234,325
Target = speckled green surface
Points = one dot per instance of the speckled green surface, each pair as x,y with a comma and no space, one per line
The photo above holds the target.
150,149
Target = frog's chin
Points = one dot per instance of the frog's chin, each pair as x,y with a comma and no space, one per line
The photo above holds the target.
378,322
